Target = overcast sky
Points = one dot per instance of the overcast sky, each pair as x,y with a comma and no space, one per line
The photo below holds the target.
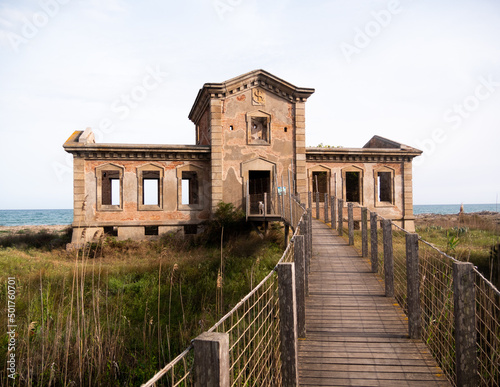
420,72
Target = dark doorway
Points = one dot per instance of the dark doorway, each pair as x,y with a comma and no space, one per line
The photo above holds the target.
259,182
320,184
352,187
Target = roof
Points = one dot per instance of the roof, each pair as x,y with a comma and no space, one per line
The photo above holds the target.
243,82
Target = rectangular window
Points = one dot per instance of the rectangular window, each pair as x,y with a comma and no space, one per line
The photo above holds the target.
189,188
352,187
111,188
320,184
151,188
151,230
384,186
190,229
259,130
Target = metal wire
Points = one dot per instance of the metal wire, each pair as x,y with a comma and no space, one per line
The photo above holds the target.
488,331
399,257
252,326
436,303
179,372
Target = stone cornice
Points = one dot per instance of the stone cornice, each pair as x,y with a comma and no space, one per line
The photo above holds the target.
135,151
372,155
256,78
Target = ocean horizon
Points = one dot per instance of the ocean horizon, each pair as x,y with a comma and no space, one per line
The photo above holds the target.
65,216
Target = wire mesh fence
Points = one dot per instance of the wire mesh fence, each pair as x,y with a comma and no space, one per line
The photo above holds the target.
253,327
437,302
488,331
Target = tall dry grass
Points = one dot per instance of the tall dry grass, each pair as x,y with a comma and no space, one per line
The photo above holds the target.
114,313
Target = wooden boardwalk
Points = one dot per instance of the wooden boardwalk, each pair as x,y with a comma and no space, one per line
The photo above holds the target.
355,335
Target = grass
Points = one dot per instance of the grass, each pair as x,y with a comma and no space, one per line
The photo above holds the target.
470,238
117,311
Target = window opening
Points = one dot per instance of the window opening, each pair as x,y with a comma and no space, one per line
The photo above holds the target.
111,187
384,186
151,230
259,130
286,129
231,127
352,186
151,188
110,230
190,229
189,188
322,185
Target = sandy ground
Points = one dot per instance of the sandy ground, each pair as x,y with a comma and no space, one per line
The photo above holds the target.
474,218
20,229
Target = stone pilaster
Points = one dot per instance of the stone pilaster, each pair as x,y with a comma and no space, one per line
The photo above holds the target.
408,216
78,191
217,151
300,148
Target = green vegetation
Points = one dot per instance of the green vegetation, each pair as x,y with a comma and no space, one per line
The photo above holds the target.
470,238
117,311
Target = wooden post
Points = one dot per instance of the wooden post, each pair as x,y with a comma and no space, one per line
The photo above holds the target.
364,232
290,198
325,207
333,208
317,205
388,258
306,248
211,359
265,204
341,217
350,223
464,303
247,201
413,286
300,291
288,324
287,233
310,223
374,241
309,198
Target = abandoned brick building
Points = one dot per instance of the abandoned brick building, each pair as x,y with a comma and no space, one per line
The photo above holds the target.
250,137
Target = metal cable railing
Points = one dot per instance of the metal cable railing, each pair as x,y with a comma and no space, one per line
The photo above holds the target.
437,303
488,331
253,327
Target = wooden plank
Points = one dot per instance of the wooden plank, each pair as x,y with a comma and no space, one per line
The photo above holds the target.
355,335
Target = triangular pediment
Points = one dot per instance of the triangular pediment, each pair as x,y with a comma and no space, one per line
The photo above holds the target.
253,79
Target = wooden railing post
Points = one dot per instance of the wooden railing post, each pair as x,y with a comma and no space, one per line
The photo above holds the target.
388,258
317,205
374,241
325,207
307,249
364,232
341,217
413,286
464,303
300,278
350,223
310,234
288,324
309,199
211,360
265,204
333,208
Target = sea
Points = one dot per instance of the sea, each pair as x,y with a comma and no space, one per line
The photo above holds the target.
62,217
